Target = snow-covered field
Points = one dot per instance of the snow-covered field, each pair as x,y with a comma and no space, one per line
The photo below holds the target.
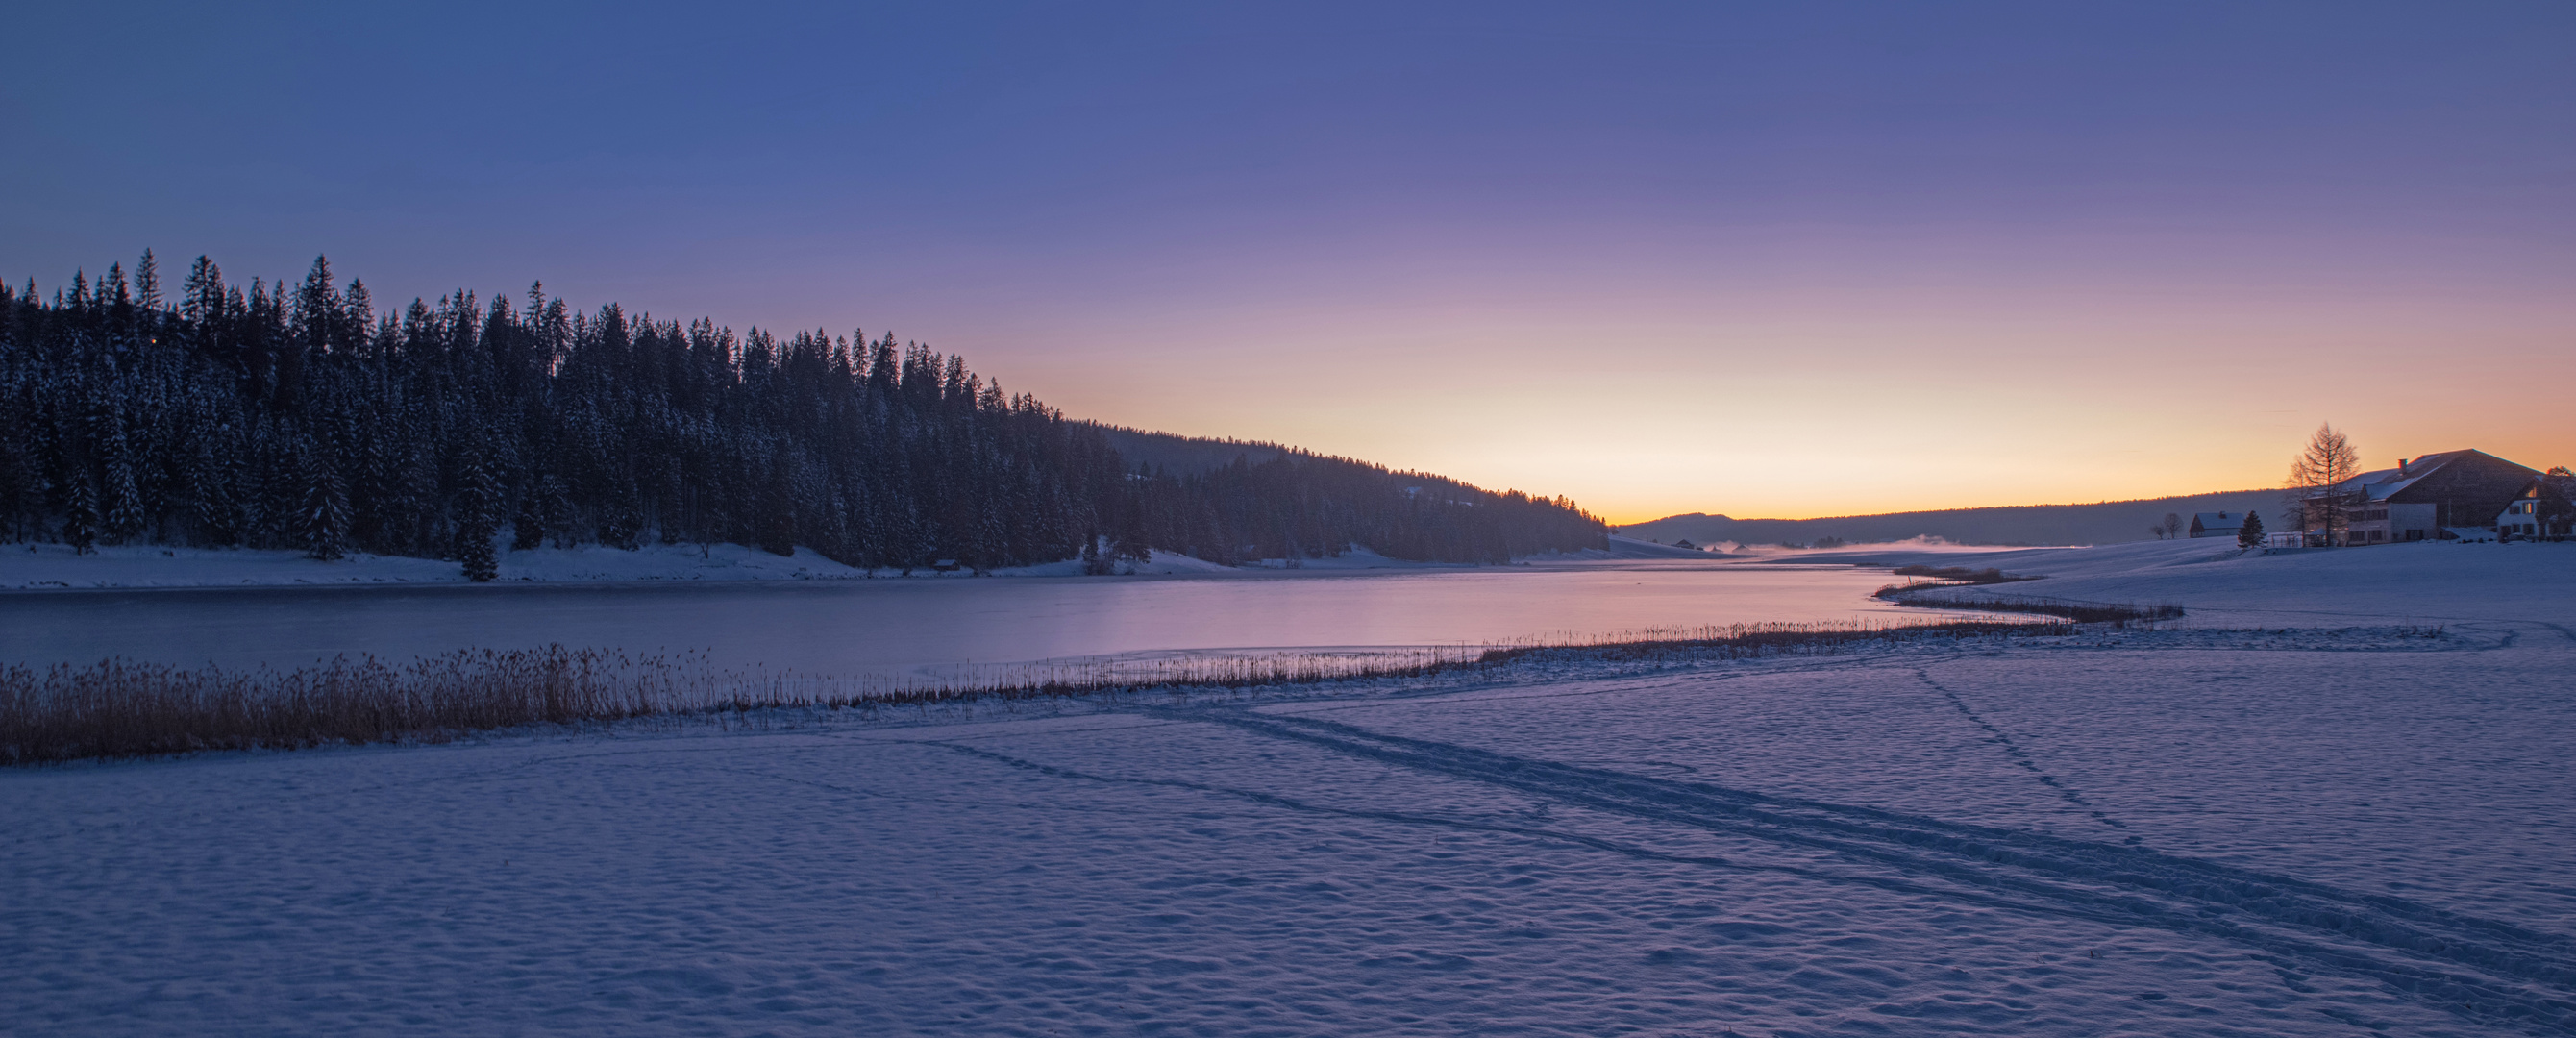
2337,825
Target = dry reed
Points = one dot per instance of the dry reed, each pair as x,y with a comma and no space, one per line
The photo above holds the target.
2118,614
119,708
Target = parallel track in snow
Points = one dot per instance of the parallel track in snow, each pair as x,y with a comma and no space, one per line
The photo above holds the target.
2485,969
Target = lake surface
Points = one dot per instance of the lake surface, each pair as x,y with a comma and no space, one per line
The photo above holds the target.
932,627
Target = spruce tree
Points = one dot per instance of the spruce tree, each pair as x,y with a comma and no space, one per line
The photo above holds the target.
2250,535
475,523
528,524
124,516
210,493
147,283
777,512
323,516
80,516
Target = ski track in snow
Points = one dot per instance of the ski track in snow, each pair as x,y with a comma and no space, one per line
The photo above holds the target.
2019,757
2317,924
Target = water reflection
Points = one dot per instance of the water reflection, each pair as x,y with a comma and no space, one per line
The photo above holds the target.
936,627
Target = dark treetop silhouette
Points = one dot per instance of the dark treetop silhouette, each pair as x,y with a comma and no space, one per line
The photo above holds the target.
295,416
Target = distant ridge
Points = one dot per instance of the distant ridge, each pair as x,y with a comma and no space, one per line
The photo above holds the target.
2108,522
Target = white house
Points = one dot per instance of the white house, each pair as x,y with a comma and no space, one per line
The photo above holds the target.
2538,511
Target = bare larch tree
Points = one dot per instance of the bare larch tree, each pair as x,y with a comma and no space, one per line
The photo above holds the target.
2316,483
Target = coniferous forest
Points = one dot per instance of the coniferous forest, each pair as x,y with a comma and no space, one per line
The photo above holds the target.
297,416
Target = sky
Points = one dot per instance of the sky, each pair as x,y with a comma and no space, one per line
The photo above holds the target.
1752,259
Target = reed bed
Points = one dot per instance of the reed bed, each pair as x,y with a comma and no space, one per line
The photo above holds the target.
2118,614
119,708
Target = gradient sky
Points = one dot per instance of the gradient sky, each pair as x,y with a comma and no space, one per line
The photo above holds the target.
1767,260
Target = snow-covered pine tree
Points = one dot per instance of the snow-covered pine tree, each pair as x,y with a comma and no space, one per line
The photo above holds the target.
277,475
476,521
621,523
147,283
558,511
124,516
80,515
211,496
777,511
322,518
528,523
2250,535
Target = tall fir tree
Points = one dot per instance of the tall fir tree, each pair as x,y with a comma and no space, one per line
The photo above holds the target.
475,522
123,517
323,515
215,507
80,515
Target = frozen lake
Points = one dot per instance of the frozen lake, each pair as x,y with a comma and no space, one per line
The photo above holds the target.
929,626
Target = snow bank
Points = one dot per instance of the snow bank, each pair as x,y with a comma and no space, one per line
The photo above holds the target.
1163,563
2427,582
53,566
39,566
1626,549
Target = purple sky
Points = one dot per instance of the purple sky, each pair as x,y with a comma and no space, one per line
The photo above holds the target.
1760,259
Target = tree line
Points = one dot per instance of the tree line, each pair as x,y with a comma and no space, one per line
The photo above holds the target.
280,415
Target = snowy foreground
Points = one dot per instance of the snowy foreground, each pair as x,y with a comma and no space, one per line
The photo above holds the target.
2336,825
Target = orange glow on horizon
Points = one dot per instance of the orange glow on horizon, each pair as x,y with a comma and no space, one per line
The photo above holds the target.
1778,402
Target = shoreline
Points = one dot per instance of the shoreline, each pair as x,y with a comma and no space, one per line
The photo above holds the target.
41,568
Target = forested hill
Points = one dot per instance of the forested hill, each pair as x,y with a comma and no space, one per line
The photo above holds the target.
1187,455
2108,522
297,416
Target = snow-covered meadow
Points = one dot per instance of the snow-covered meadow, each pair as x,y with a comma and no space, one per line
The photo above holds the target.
2296,812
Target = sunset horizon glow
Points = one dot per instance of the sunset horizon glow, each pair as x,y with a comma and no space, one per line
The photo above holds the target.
1659,259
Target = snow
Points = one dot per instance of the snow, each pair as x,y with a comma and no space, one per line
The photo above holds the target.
2427,582
33,567
43,566
2334,825
1627,548
1161,564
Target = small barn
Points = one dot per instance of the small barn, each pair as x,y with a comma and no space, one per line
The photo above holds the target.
2217,524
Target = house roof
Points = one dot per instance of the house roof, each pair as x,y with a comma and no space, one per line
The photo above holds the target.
2217,520
2380,484
2388,482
